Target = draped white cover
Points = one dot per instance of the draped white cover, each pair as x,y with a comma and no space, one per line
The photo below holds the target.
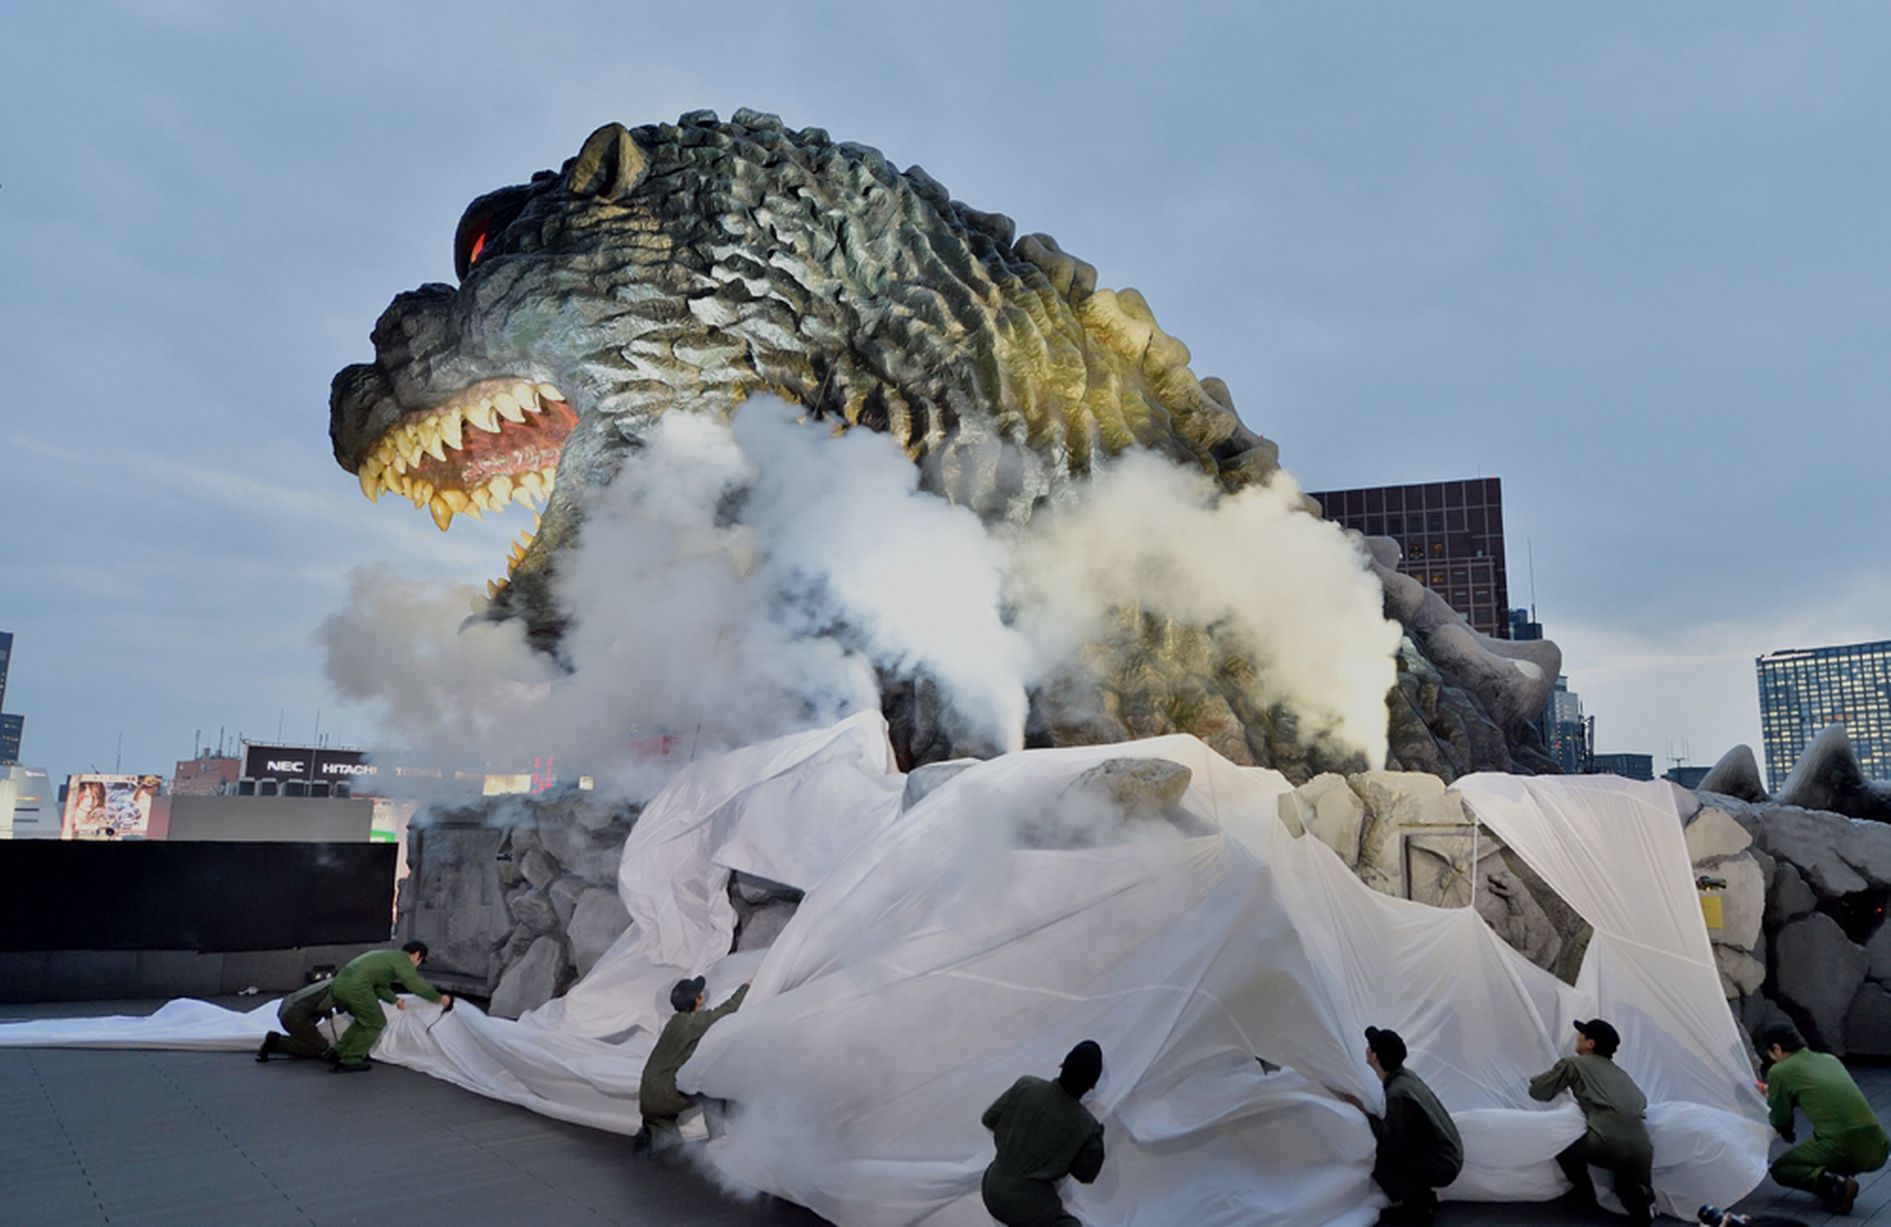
943,951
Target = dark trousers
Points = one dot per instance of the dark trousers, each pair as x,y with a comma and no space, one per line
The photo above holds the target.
1634,1185
304,1038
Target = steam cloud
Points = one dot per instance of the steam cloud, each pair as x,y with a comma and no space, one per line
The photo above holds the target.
740,581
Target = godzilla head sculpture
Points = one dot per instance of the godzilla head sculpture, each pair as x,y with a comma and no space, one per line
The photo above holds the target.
694,264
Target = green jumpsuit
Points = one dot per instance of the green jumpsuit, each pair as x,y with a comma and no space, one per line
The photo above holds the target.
1043,1135
1419,1146
1846,1136
300,1013
1617,1139
361,986
657,1097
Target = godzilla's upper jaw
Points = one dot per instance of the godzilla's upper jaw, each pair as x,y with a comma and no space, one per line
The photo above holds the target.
492,443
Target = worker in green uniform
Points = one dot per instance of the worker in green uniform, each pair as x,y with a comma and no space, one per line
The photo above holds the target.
657,1095
361,987
1846,1136
1612,1105
1044,1133
1419,1147
301,1014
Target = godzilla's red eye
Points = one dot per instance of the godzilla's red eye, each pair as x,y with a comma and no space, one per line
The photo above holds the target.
479,245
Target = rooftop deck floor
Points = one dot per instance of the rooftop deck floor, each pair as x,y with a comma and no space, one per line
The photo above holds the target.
214,1138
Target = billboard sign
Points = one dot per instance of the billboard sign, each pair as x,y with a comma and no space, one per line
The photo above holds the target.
109,806
307,763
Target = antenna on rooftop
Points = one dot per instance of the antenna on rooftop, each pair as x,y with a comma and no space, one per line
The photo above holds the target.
1529,546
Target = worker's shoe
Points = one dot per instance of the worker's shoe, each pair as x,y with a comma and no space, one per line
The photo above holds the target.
1837,1192
351,1067
331,1056
267,1047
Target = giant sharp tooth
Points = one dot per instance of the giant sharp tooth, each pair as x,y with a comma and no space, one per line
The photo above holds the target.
548,393
371,485
485,417
430,440
533,485
549,474
450,427
457,500
501,487
508,407
442,514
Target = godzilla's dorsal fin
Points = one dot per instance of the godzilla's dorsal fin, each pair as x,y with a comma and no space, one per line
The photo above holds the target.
610,164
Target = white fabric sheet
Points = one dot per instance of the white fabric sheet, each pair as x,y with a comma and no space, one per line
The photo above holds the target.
943,951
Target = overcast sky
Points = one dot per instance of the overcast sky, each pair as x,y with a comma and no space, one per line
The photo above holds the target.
1634,260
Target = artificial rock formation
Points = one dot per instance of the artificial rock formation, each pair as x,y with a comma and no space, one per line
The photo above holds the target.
516,896
691,265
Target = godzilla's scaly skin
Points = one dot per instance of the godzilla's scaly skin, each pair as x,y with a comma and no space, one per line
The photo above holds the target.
695,264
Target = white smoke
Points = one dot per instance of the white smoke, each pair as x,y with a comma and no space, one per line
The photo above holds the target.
738,582
1150,534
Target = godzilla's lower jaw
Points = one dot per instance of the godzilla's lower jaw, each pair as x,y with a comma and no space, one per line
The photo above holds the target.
492,444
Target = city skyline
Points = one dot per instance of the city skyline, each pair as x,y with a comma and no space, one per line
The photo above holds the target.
1642,291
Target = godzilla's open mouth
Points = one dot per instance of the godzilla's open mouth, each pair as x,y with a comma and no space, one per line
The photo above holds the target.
492,444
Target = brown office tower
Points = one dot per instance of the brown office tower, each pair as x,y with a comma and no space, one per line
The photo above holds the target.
1452,533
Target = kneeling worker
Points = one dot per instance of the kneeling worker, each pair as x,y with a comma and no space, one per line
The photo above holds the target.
1419,1147
657,1095
1044,1133
300,1014
1612,1105
1846,1136
361,987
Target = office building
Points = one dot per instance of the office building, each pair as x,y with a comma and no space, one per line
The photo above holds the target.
206,775
1686,777
1803,690
1565,731
1524,626
1628,766
1452,535
12,728
27,807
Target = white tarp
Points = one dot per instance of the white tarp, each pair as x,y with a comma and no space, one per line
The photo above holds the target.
943,951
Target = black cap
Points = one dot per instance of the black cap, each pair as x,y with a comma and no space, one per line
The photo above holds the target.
683,996
1082,1066
1606,1037
1387,1046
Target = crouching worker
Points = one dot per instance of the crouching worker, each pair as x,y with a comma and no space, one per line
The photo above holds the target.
361,987
657,1095
1044,1133
1846,1136
1419,1147
301,1014
1612,1106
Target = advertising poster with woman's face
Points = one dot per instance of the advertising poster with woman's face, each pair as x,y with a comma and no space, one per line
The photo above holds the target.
109,806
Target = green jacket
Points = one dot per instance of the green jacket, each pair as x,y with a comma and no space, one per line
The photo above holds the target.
314,1001
1417,1133
377,972
1610,1101
1042,1135
657,1096
1817,1084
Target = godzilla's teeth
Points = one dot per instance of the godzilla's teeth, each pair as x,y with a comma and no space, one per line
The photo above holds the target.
533,484
435,447
450,428
501,487
442,514
549,394
371,484
537,520
457,501
399,463
485,417
509,408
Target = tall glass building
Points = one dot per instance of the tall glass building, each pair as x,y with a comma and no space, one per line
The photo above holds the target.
1804,689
